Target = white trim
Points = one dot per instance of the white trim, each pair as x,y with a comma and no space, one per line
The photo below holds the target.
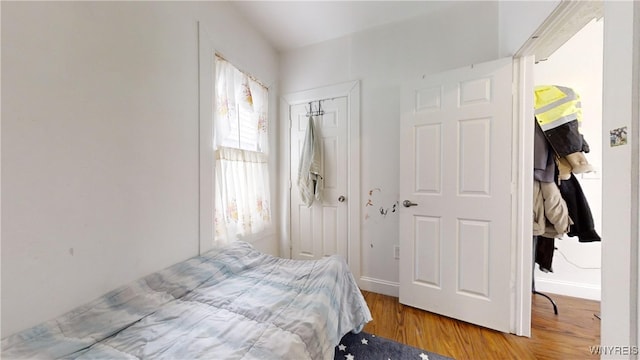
568,288
635,174
619,166
635,166
379,286
561,25
284,169
206,94
522,204
352,91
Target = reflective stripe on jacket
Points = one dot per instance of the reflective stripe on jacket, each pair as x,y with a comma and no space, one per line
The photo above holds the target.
556,105
558,112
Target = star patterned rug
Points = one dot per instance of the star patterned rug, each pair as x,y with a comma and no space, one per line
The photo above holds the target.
364,346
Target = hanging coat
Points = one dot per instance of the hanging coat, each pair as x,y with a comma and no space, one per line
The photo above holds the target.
550,213
579,210
558,112
544,164
310,181
544,248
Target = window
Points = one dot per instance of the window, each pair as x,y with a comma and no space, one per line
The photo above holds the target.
242,199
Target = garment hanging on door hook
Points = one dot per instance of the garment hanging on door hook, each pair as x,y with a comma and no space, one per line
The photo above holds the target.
310,180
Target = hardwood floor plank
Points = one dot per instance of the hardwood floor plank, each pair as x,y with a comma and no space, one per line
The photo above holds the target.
567,335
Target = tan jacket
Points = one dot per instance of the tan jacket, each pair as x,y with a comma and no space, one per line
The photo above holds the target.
550,214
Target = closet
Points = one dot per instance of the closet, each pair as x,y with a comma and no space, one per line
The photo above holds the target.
575,265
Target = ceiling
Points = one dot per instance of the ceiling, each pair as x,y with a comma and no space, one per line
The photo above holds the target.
293,24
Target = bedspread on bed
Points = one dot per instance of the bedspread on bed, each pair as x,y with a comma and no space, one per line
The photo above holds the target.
230,303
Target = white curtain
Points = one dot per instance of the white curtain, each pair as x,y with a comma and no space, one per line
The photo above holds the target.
242,194
242,199
240,120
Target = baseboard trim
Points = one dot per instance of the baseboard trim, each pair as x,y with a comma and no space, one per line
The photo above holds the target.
379,286
568,288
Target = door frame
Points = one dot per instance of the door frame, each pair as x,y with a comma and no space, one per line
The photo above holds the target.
350,90
522,183
620,194
563,23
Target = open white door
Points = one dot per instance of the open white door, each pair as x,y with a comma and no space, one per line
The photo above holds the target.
456,168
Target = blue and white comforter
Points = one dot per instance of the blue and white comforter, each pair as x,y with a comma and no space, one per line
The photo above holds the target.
231,303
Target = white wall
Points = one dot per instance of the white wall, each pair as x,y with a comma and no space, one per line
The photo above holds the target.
619,305
519,20
382,58
100,144
578,64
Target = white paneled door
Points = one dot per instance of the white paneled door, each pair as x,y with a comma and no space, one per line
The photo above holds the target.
455,174
321,229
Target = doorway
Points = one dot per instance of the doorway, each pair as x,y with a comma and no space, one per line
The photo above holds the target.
578,65
320,228
292,104
562,24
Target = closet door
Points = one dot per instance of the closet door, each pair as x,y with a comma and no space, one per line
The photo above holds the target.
321,229
455,180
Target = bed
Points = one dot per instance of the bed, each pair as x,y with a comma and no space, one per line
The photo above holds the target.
230,303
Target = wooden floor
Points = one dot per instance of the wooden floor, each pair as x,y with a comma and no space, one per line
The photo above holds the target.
567,335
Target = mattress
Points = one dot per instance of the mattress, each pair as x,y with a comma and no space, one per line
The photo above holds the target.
230,303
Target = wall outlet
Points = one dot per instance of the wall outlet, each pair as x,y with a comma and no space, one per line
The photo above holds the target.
396,252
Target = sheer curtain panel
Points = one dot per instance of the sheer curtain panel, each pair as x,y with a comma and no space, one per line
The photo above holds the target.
242,199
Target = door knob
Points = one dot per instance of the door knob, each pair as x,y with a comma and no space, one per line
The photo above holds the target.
408,203
341,198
